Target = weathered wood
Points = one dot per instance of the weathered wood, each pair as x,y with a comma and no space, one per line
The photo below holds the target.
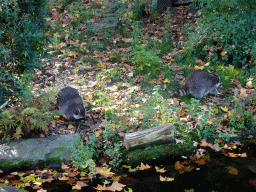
156,135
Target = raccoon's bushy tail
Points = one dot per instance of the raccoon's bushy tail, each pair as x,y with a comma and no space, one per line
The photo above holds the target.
179,92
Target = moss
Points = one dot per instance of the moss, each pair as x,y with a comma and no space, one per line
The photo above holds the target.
158,152
13,164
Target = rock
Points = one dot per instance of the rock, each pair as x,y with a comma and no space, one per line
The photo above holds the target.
5,188
33,150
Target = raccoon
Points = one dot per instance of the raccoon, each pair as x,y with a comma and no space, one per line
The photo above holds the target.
199,83
70,103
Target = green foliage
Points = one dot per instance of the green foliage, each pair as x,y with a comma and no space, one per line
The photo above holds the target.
241,118
23,33
83,155
80,14
115,57
114,73
146,56
22,40
112,145
61,3
146,61
33,113
225,33
227,73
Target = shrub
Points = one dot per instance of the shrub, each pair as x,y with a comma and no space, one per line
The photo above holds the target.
225,32
83,155
33,113
22,39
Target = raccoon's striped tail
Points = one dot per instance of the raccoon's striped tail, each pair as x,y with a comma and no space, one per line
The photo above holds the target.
179,93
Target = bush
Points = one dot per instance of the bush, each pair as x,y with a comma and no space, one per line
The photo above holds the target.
22,39
225,33
33,113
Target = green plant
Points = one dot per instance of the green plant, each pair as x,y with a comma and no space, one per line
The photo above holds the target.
234,43
112,145
83,155
80,14
33,113
22,40
114,73
115,57
146,61
240,117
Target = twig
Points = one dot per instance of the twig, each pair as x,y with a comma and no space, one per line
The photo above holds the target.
2,106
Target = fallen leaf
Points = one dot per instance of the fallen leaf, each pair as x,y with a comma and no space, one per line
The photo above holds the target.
106,173
182,112
64,178
101,187
224,109
223,53
90,73
232,170
102,64
166,178
199,61
160,170
143,167
199,67
116,186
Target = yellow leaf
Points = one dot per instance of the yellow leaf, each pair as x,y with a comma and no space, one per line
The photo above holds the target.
64,178
160,170
199,67
106,173
151,82
223,53
232,170
215,110
102,64
143,167
189,190
90,73
101,187
166,178
224,109
167,81
232,155
182,112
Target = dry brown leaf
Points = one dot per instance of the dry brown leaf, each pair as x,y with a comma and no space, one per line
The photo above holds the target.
64,178
199,61
182,112
116,186
101,187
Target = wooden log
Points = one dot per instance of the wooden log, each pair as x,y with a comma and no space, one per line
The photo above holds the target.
156,135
